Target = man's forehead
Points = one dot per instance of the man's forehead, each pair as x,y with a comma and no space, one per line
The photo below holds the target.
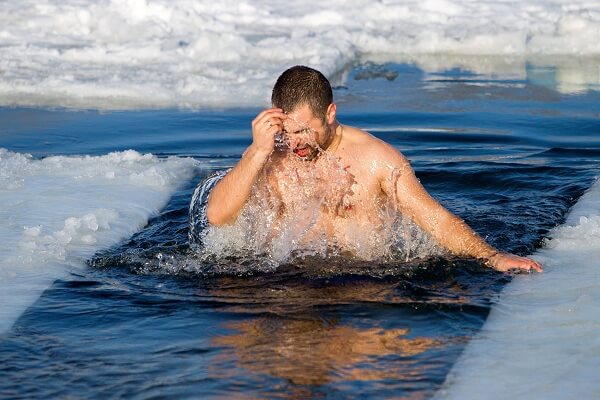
299,118
293,124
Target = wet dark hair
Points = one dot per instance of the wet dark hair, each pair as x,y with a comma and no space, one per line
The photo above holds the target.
301,85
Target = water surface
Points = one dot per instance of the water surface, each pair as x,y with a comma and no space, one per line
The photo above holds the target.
148,319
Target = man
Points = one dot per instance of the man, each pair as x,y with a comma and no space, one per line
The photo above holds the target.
335,182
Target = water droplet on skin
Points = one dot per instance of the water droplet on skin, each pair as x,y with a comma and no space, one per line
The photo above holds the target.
269,228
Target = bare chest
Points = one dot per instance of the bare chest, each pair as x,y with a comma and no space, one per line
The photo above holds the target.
334,190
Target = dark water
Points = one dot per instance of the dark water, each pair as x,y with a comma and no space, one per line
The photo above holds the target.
147,319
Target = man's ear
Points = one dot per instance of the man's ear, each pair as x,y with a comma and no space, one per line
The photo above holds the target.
330,114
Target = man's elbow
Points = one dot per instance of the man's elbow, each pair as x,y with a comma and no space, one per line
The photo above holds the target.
216,216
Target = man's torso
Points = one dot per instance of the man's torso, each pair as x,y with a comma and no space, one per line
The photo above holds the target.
339,196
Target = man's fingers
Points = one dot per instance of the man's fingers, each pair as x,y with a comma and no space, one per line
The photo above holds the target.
264,128
274,119
532,266
537,267
272,114
510,262
267,111
269,125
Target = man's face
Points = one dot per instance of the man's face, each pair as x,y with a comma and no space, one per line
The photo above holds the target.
305,133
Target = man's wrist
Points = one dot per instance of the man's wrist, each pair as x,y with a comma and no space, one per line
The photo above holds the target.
257,154
489,256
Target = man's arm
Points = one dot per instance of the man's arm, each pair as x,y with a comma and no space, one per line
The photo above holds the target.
231,193
449,230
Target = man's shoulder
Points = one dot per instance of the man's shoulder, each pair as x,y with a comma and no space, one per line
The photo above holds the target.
371,147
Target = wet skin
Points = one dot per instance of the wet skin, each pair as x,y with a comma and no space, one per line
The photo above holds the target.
379,175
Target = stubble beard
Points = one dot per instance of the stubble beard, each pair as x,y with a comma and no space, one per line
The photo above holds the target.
316,150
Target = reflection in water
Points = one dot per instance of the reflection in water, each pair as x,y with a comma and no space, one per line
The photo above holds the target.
563,74
304,332
569,76
315,329
315,351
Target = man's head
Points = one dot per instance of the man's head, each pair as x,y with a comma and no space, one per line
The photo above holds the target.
306,96
302,85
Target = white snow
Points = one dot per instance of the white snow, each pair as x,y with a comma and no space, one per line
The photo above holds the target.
199,53
58,211
541,339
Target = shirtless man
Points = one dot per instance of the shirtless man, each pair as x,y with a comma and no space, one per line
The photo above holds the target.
375,173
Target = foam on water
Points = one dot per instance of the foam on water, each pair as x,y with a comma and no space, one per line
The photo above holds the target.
541,339
159,53
58,211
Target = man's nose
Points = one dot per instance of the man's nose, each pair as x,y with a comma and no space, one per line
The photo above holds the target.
295,140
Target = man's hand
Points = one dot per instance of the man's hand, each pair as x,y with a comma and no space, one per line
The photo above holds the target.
506,262
264,127
231,193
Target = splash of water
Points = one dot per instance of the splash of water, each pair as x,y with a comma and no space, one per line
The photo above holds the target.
302,208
